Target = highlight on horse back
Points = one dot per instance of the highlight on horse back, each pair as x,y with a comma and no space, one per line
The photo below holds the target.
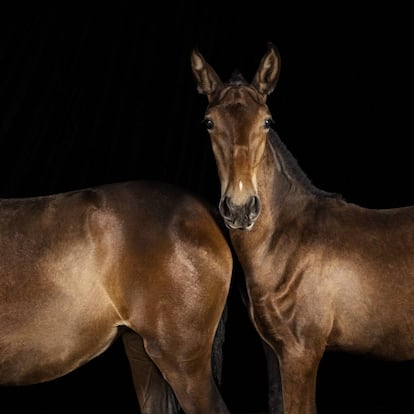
317,267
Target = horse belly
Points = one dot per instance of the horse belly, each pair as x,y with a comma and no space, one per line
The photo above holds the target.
387,335
30,356
46,333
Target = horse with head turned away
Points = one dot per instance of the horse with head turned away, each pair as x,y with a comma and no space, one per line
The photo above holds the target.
143,260
321,273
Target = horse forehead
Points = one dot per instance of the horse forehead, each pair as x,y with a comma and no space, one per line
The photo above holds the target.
238,108
240,95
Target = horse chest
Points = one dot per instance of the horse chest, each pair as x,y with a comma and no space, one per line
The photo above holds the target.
273,306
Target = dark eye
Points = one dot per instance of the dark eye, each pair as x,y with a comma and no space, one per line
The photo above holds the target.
209,124
268,123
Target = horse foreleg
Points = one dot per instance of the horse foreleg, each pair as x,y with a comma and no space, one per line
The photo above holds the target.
298,370
154,394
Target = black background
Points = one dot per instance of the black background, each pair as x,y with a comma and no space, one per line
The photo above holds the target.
104,93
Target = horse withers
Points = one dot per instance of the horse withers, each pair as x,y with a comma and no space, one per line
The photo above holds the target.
144,260
321,273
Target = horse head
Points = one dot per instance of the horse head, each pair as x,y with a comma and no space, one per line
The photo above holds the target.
238,121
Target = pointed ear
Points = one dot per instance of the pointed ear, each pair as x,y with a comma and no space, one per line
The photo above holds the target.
207,79
267,74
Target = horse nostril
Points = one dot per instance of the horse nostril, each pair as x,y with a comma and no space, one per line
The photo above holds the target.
253,207
224,207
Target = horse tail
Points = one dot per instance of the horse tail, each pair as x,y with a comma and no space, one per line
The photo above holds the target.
217,351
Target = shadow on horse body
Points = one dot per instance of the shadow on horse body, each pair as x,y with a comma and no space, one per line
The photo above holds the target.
141,259
321,273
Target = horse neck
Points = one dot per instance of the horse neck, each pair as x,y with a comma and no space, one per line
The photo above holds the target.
282,185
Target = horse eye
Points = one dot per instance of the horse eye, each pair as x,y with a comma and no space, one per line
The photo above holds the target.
208,123
268,123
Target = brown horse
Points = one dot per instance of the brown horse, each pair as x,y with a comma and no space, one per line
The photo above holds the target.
321,273
144,260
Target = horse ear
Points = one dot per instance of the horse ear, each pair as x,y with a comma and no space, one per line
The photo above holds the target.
267,74
207,79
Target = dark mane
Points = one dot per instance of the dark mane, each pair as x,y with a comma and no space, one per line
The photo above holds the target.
292,167
237,78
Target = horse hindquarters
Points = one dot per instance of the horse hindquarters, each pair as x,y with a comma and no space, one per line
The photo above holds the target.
176,292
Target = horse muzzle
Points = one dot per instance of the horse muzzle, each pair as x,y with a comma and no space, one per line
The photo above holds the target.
241,217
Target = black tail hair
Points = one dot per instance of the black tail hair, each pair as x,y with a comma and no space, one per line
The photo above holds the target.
217,351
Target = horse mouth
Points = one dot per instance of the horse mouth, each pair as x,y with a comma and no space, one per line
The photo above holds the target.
238,225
